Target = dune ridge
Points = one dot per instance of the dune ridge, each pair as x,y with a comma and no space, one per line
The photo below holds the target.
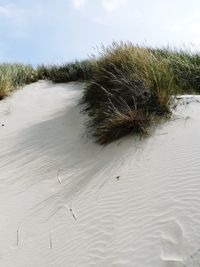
66,201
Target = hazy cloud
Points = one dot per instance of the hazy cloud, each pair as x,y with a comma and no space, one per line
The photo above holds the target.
108,5
17,19
112,5
10,11
50,30
79,3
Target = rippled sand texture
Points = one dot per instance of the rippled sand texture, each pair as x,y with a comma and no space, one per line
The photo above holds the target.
65,201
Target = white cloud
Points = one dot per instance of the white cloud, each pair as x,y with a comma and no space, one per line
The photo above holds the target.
112,5
16,19
79,3
108,5
10,11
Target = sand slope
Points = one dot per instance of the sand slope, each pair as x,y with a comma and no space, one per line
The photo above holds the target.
65,201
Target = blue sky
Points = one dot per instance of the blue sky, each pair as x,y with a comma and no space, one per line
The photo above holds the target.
54,31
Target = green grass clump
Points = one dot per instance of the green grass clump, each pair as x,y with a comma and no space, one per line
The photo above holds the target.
12,76
185,66
187,73
130,88
75,71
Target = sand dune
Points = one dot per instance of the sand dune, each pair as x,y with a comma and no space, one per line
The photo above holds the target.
66,201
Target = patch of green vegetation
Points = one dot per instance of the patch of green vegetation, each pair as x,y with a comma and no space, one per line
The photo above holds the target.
185,66
13,76
75,71
131,87
127,87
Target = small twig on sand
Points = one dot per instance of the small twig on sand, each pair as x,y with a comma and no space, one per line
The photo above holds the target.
161,134
58,176
18,237
50,241
71,211
103,183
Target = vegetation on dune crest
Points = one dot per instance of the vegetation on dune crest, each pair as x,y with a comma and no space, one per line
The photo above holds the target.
185,66
127,87
76,71
130,88
13,76
133,87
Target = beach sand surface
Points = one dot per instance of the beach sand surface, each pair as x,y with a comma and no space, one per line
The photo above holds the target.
65,201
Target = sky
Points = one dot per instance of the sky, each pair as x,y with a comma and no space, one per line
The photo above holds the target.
57,31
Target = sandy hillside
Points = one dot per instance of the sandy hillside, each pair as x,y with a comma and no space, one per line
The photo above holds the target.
67,202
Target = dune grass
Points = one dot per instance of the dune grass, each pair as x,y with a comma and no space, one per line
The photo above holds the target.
127,88
185,66
75,71
12,76
131,87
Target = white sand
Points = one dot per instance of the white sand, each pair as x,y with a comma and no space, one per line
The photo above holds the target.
62,205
